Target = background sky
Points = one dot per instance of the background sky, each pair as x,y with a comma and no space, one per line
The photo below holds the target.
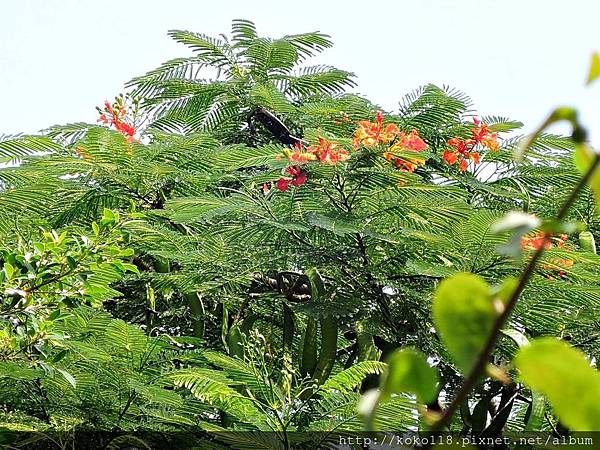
515,58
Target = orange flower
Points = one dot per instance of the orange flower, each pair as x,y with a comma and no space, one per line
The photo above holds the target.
406,166
491,142
483,135
328,152
463,149
370,134
450,157
117,117
299,155
411,142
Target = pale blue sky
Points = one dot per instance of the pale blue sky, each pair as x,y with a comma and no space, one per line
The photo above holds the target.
518,58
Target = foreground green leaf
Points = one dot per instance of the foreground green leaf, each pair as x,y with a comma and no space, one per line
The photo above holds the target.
464,315
408,371
564,375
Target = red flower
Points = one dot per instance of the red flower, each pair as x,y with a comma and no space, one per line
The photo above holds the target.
282,184
464,148
480,132
117,118
299,179
298,175
293,170
461,146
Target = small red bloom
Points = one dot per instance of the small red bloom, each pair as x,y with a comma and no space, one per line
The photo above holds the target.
293,170
282,184
464,164
300,179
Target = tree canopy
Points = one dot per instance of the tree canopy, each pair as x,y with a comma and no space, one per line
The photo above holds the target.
241,245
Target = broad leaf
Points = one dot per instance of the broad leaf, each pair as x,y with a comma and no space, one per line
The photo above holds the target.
464,315
408,371
594,68
564,375
584,158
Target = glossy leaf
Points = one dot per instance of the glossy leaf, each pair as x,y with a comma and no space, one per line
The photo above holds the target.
464,315
594,71
584,158
564,375
408,371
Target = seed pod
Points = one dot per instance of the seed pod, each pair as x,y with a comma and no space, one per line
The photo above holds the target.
329,335
288,328
196,306
587,241
309,348
248,323
235,342
366,348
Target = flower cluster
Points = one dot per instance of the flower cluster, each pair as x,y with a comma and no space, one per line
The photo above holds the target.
463,150
536,240
298,178
411,142
117,116
326,152
369,134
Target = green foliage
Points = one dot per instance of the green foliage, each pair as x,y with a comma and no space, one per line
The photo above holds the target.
565,377
584,159
164,283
